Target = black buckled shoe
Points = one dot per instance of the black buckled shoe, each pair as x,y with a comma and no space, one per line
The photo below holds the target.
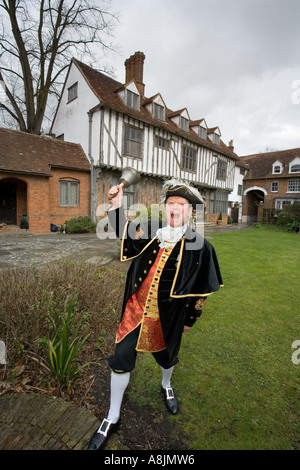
170,399
100,437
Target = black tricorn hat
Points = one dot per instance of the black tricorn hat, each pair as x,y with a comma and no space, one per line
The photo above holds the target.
179,188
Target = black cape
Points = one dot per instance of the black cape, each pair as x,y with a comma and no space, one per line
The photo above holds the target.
191,274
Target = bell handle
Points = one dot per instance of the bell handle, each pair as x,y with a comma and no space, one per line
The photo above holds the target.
114,195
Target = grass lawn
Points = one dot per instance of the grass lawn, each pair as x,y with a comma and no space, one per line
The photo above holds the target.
236,382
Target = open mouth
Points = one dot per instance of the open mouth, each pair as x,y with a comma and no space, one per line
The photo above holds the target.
175,216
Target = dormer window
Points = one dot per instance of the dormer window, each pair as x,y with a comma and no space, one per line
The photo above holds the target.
295,169
158,112
184,124
277,168
202,132
214,135
294,166
216,139
132,100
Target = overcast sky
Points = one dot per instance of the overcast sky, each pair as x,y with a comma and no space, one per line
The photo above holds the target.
235,63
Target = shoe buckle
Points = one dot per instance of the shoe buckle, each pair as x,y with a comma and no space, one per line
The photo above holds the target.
169,393
105,427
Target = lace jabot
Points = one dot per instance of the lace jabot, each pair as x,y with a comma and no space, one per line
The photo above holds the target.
169,236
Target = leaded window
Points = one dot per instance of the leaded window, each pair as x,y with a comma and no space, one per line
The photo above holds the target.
68,193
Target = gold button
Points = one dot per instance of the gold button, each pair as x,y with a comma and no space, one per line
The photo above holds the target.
154,251
145,272
150,262
135,285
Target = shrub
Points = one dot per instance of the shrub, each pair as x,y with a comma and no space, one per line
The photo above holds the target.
289,219
284,218
82,224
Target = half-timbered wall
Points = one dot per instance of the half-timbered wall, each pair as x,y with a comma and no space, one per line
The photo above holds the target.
161,152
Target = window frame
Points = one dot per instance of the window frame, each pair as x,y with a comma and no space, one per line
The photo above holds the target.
274,184
293,184
184,124
130,97
68,183
217,139
158,112
221,172
295,165
162,142
130,142
189,158
73,95
202,132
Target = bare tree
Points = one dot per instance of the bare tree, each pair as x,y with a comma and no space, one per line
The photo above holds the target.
37,41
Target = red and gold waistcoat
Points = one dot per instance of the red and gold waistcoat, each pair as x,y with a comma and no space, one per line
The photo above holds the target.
142,309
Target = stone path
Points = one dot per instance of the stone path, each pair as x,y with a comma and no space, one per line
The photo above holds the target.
22,250
29,421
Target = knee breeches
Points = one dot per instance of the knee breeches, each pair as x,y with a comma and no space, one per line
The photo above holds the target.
125,354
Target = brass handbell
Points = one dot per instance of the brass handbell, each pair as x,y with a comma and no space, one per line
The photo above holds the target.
129,176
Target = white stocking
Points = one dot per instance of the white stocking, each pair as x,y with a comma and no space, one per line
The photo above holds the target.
118,385
166,377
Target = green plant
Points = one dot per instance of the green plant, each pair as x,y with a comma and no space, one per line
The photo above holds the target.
289,220
65,345
220,216
82,224
284,218
293,226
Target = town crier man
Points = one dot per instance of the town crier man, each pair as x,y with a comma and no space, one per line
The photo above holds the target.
173,271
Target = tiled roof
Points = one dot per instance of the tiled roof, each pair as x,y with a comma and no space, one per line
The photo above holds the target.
29,153
106,89
260,164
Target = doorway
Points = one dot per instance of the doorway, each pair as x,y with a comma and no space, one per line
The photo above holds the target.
8,203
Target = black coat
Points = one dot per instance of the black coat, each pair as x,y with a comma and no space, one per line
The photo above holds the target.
191,274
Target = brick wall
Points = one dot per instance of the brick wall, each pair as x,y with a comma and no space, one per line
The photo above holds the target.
38,197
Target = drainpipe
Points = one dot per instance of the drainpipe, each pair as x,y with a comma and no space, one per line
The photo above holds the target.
92,212
95,170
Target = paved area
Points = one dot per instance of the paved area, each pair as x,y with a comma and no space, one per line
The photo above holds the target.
40,422
24,249
29,421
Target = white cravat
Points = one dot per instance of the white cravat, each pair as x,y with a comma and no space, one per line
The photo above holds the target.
169,236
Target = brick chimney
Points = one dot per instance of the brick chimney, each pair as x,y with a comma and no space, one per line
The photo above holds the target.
135,70
230,145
